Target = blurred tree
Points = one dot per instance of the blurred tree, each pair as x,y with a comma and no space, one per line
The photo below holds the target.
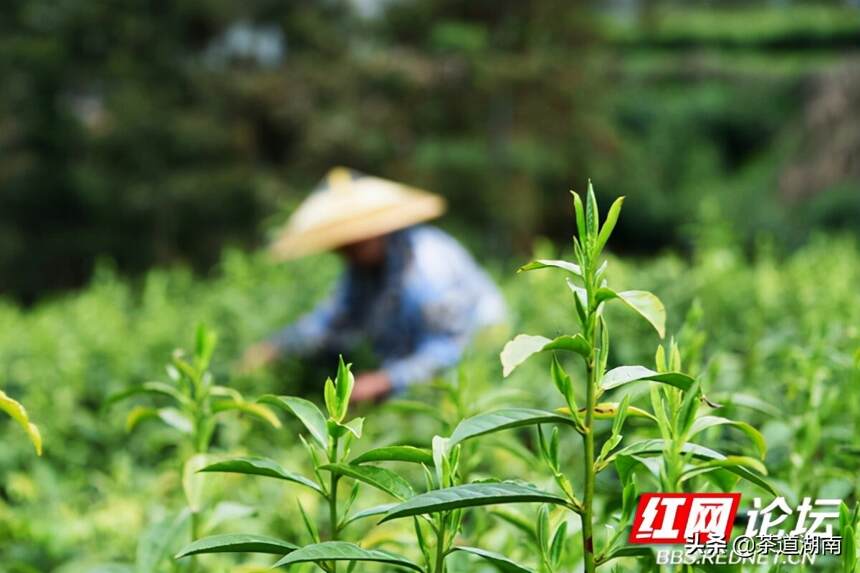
151,132
154,132
120,133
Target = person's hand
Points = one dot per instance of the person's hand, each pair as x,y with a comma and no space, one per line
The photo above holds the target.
257,356
371,386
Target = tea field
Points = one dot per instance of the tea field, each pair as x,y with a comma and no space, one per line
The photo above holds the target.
772,339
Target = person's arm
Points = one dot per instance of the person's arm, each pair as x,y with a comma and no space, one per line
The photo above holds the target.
309,334
435,353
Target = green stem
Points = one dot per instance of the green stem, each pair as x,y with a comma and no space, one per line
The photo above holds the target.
588,497
195,535
332,503
588,437
440,545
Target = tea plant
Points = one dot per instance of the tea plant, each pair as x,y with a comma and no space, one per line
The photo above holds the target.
196,404
329,443
849,519
19,415
676,396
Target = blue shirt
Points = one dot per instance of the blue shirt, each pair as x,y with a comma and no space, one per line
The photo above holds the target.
419,311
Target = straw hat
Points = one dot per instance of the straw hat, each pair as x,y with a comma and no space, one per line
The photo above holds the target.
348,207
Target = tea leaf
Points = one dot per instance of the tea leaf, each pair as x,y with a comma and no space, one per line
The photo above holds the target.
192,482
310,526
556,548
345,382
305,411
204,346
592,217
472,495
564,385
396,454
19,414
686,414
549,263
579,211
706,422
849,551
260,467
608,225
645,303
627,374
500,562
380,478
369,512
522,346
252,408
627,551
137,415
330,399
652,447
608,410
176,419
504,419
237,543
344,551
729,461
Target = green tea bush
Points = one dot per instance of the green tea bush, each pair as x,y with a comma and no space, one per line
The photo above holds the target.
773,339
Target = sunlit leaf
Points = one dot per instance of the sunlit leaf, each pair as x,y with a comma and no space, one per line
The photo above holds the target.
19,414
305,411
627,374
176,420
192,482
608,411
547,263
522,346
608,225
252,408
643,302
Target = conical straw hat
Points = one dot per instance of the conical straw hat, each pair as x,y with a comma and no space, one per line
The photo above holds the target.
348,207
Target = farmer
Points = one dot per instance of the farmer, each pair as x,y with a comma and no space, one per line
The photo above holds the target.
410,290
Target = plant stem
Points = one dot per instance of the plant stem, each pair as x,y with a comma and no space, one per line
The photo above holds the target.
195,535
591,334
332,502
588,497
440,545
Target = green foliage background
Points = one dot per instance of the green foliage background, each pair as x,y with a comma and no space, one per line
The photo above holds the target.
776,341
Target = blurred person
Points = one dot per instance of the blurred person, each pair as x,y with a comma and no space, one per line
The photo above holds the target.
410,290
